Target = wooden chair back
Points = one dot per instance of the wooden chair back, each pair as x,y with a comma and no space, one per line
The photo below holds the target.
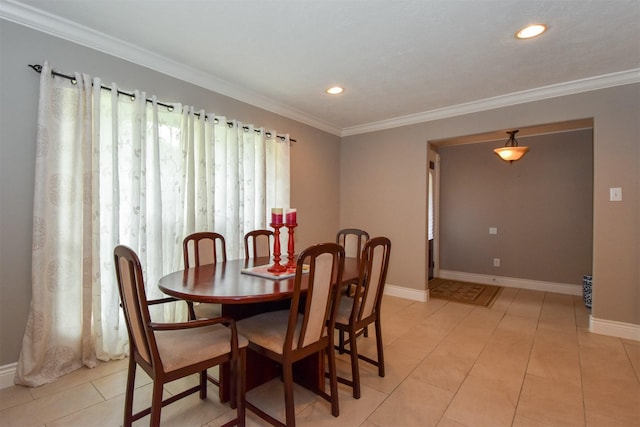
202,248
257,243
352,240
325,265
134,303
374,264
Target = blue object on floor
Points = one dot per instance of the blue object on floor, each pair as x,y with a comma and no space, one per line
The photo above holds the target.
587,283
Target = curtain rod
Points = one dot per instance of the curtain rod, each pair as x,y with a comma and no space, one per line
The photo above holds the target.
38,69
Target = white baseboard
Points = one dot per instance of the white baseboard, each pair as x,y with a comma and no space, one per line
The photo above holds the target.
512,282
7,373
616,329
407,293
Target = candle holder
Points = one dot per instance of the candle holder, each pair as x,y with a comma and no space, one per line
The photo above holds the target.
291,264
276,267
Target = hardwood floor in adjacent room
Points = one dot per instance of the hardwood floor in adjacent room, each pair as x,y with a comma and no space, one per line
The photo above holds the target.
526,361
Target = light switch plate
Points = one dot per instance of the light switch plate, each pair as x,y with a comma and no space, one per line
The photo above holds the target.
493,230
615,194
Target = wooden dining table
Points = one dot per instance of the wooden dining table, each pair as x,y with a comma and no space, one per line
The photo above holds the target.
242,295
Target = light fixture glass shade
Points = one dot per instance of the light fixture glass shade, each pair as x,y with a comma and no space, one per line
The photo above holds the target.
511,154
511,151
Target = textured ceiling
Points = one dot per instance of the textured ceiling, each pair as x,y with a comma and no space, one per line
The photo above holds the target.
398,60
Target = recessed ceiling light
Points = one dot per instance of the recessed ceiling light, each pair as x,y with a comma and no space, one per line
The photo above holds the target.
335,90
531,31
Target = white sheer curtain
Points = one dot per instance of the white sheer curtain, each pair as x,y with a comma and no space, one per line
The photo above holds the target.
113,169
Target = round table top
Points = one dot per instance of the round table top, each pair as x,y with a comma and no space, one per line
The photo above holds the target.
225,283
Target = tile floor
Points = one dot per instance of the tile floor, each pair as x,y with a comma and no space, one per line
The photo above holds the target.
526,361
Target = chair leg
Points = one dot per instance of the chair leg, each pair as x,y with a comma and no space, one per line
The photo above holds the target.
128,400
287,374
333,381
192,313
355,370
241,387
341,341
156,403
379,346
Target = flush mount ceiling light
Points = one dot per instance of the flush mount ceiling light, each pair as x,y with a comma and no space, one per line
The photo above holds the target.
335,90
531,31
511,152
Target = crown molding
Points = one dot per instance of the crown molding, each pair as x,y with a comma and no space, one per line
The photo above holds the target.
73,32
530,95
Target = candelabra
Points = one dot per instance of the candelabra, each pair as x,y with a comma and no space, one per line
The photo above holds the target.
276,267
291,264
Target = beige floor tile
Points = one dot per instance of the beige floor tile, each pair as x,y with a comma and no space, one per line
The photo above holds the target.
414,403
555,355
446,422
611,401
443,321
392,305
105,414
419,310
504,359
13,396
521,362
353,412
504,300
270,398
191,411
582,313
557,313
51,407
116,384
527,303
78,377
448,365
633,351
482,402
547,402
604,358
397,368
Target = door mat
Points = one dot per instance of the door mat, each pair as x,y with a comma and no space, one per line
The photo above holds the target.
464,292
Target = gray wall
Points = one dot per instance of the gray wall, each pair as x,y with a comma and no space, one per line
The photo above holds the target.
314,157
541,205
384,176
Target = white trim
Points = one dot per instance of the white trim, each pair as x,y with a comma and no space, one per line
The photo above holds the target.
7,373
616,329
51,24
530,95
512,282
421,295
68,30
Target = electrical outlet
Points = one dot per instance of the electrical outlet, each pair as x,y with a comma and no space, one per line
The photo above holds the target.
493,230
496,262
615,194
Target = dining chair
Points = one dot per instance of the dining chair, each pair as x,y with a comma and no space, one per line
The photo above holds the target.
169,351
204,248
257,243
352,240
357,312
287,336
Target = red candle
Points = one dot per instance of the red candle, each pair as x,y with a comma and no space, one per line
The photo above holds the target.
291,216
276,215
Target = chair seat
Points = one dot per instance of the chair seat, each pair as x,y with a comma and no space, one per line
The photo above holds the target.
184,347
344,310
207,311
268,330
